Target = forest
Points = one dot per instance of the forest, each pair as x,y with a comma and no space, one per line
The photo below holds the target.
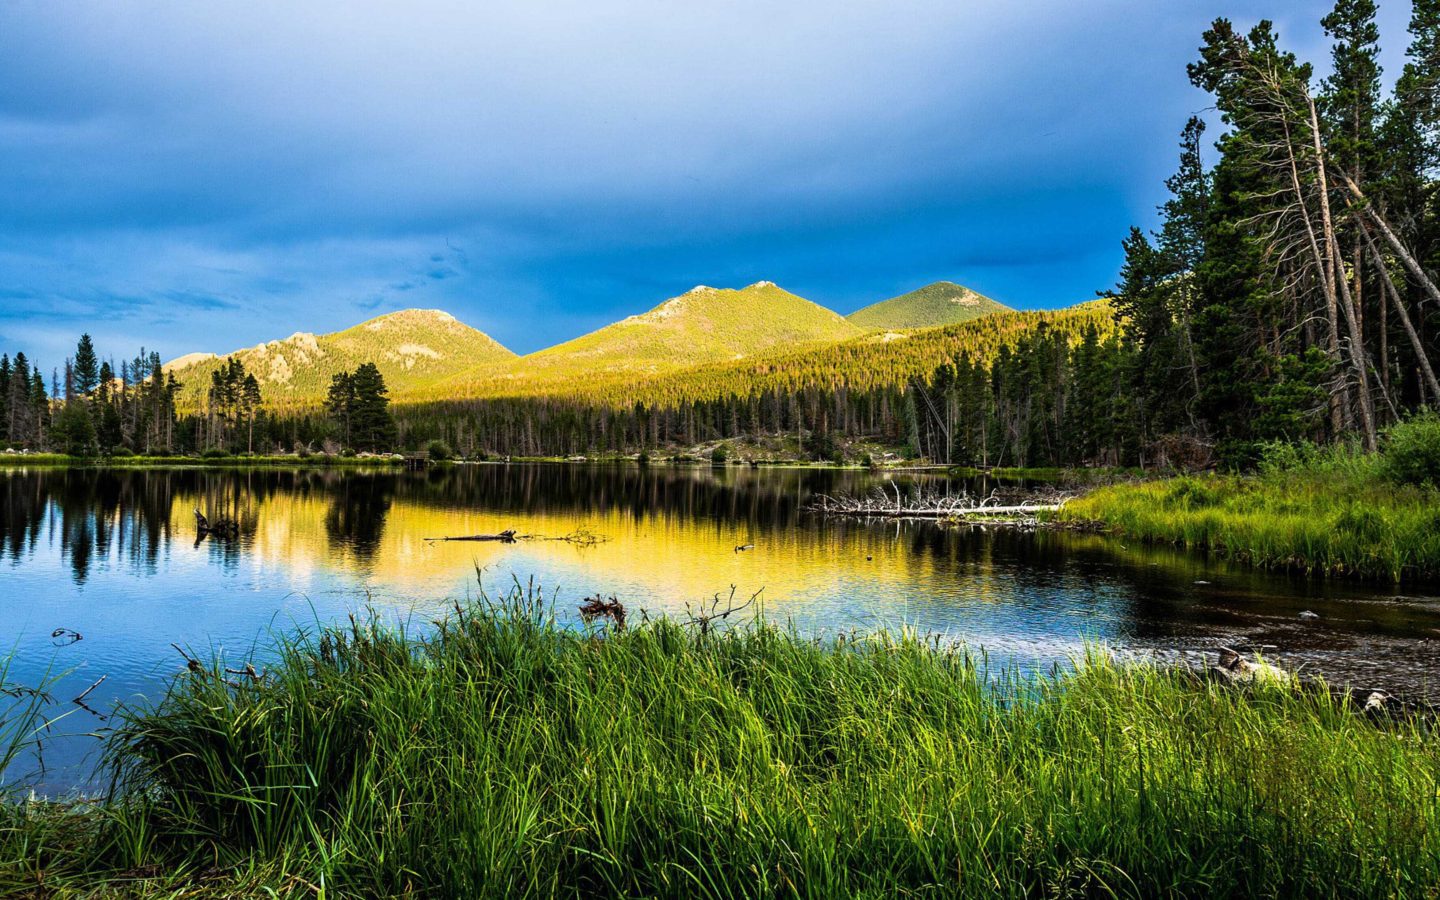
1288,294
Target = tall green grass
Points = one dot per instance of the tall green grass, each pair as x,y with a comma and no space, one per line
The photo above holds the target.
506,756
1334,512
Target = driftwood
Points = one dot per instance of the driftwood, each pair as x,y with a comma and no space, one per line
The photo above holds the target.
504,537
881,505
598,607
582,537
222,527
707,613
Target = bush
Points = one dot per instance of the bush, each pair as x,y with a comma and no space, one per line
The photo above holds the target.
440,451
121,452
720,455
215,453
1411,454
1192,493
348,452
1277,457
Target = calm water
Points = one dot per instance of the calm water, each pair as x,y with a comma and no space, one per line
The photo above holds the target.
111,555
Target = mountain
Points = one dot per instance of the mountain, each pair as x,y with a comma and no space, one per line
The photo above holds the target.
861,363
941,303
704,324
413,349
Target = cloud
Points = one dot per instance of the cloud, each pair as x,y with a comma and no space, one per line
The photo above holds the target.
208,175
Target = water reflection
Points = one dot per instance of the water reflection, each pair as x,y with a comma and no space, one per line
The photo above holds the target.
111,554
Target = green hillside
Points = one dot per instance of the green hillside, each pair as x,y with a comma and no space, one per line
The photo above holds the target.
704,324
860,363
703,345
941,303
414,349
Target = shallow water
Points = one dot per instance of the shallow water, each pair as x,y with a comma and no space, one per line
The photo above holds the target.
111,555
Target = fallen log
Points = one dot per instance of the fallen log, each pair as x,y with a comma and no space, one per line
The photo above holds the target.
505,537
880,505
582,537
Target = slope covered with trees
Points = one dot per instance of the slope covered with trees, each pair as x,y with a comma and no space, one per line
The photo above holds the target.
863,387
412,349
704,324
1289,294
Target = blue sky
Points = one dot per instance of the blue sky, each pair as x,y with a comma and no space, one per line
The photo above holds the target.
206,176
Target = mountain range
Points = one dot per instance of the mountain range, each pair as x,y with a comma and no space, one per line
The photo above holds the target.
430,354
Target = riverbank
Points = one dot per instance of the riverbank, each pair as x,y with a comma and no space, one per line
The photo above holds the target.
27,460
1332,512
507,756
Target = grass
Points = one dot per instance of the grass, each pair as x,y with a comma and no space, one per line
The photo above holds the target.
1332,512
1070,476
237,461
504,755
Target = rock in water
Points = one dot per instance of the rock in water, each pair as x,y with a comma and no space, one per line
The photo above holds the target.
1236,669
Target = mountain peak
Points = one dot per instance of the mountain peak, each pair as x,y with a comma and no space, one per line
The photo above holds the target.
704,323
413,348
936,304
412,318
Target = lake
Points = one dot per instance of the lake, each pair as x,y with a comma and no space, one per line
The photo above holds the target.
101,573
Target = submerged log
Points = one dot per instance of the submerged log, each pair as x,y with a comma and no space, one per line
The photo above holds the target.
221,527
582,537
505,537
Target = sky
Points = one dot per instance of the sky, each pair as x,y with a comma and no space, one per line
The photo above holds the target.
207,176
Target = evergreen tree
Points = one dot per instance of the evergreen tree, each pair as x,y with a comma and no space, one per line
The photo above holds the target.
371,425
340,404
86,367
73,430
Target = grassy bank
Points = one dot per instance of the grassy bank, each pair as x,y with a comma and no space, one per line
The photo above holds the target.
18,460
504,756
1087,476
1332,512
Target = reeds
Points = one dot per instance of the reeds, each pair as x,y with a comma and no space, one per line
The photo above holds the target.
505,755
1330,513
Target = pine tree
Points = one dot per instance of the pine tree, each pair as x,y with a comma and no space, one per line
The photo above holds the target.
87,370
371,425
340,404
73,430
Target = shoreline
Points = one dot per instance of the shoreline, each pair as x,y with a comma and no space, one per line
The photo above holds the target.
622,760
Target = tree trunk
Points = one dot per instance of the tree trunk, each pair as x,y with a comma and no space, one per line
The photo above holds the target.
1357,346
1415,342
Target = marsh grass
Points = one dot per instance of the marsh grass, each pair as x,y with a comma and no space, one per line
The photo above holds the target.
504,755
1331,512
